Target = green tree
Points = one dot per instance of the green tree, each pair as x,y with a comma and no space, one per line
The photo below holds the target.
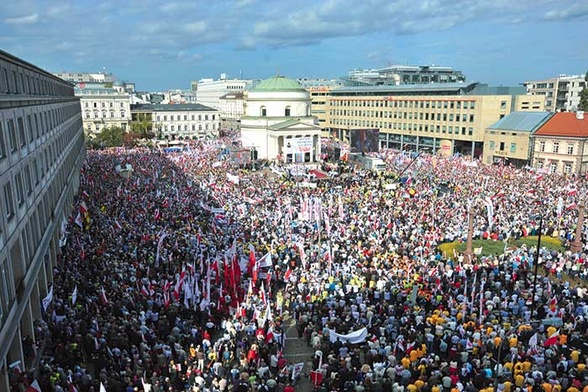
583,105
143,126
110,137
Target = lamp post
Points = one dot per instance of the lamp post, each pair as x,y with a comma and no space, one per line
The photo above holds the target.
411,162
536,264
469,244
576,246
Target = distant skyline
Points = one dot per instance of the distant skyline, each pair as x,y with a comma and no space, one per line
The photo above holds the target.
163,45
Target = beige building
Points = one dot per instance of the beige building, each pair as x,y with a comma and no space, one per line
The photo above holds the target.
508,140
447,118
318,103
561,144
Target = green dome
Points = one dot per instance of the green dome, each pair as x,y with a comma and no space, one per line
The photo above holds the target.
278,83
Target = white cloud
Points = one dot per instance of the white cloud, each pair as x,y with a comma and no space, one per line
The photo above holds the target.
575,11
23,20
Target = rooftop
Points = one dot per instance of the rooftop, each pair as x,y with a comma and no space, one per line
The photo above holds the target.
522,121
180,107
566,125
278,83
447,88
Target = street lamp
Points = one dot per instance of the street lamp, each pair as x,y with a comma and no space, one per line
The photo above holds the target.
536,262
577,243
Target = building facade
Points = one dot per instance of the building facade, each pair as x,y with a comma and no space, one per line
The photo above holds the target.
181,121
562,94
395,75
278,123
232,108
446,118
41,153
103,107
561,144
509,140
209,91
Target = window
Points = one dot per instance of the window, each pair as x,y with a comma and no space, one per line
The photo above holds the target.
513,147
470,131
553,167
542,146
263,111
567,169
287,111
555,147
472,105
570,149
502,104
8,201
19,190
2,143
491,145
12,135
501,146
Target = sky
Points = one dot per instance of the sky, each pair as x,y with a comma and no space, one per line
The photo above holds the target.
163,45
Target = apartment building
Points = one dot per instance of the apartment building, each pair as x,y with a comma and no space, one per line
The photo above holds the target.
395,75
562,94
447,118
209,91
103,107
41,153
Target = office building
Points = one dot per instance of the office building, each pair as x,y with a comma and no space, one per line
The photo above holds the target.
181,121
395,75
278,123
559,145
209,91
448,118
562,94
41,153
509,140
232,108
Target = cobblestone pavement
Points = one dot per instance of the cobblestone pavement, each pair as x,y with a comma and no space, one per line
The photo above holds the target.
297,351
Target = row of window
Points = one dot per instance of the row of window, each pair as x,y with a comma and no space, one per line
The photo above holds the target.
111,104
172,128
103,114
502,146
185,117
553,166
431,128
23,129
392,103
457,117
555,147
18,79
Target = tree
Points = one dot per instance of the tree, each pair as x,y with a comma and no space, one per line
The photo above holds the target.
110,137
143,126
583,105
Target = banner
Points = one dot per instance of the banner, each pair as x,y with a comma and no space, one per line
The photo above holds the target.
354,337
297,370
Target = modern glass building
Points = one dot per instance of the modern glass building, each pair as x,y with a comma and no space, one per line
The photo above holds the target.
41,153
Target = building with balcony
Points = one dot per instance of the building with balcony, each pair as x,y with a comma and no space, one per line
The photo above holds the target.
448,118
509,140
561,144
562,94
41,153
395,75
103,107
181,121
278,122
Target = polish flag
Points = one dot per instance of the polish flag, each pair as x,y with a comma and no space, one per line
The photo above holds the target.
144,291
287,274
83,207
552,340
262,295
34,387
157,214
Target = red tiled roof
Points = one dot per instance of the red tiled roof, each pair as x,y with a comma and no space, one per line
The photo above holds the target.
565,124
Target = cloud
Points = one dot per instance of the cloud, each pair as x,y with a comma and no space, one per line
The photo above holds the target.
575,11
23,20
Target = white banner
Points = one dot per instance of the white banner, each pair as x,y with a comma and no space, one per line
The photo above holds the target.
297,370
353,337
297,145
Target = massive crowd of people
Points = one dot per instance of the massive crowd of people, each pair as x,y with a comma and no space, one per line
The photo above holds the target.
185,275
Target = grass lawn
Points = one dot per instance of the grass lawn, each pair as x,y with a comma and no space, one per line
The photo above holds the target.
490,247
